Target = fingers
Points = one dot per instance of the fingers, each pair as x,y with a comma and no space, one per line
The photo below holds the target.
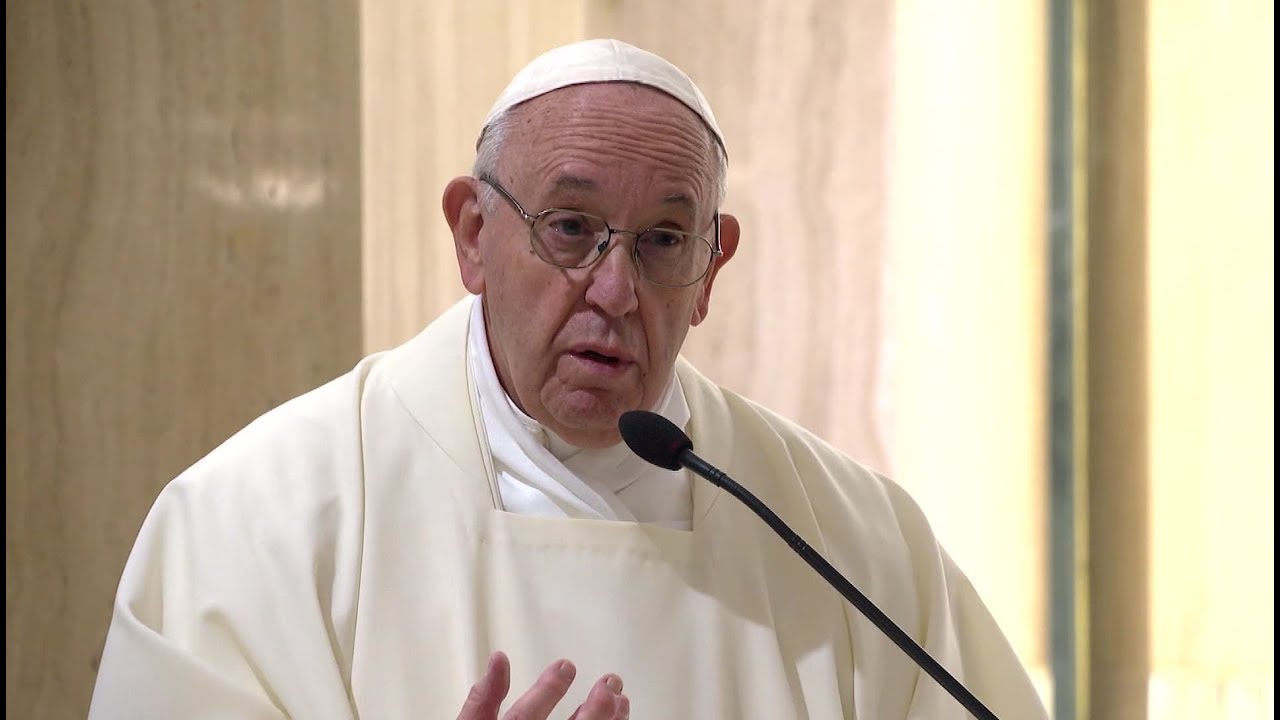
605,701
541,699
486,696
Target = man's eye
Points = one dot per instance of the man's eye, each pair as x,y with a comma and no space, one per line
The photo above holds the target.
569,226
660,239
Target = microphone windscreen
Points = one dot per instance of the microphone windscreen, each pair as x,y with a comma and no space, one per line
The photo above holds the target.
654,438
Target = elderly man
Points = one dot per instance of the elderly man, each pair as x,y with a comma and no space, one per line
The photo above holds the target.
457,516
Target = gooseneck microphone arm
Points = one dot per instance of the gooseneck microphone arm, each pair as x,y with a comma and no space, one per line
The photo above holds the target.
660,442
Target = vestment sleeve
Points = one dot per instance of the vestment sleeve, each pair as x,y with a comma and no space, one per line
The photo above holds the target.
877,535
238,598
956,628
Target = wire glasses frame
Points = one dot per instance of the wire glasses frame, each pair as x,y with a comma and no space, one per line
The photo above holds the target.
603,237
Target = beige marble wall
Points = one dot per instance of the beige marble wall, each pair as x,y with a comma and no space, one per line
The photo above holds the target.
182,250
802,92
429,72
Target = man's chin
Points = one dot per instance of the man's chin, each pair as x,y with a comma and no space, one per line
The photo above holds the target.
588,418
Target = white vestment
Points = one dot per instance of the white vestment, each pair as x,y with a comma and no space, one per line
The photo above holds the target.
343,556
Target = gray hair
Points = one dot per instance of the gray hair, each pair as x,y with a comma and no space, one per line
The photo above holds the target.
497,133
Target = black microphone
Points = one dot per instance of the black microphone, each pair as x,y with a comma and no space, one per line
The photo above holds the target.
658,441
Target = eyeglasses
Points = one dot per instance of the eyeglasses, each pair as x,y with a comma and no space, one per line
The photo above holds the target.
572,239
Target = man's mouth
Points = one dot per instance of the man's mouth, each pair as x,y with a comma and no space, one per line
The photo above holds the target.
598,357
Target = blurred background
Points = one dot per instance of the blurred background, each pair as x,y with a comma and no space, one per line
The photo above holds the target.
1017,255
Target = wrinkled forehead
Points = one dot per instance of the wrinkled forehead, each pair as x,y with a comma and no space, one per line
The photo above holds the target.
635,132
612,106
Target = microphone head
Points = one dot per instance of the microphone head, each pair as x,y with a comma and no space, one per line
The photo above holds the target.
654,438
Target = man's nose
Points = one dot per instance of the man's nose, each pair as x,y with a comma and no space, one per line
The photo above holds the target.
611,285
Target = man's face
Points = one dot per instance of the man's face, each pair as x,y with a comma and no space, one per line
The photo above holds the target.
575,348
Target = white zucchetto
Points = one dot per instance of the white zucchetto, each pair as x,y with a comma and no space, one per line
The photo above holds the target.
600,61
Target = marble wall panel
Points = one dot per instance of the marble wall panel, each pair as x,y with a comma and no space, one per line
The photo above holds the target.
182,247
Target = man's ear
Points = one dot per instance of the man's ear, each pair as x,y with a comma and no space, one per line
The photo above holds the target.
730,232
461,204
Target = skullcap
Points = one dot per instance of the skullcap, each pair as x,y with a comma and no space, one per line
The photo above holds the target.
601,61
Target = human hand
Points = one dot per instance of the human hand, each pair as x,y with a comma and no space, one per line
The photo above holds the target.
604,702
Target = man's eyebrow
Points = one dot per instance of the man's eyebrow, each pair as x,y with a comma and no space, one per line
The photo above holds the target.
575,182
680,199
